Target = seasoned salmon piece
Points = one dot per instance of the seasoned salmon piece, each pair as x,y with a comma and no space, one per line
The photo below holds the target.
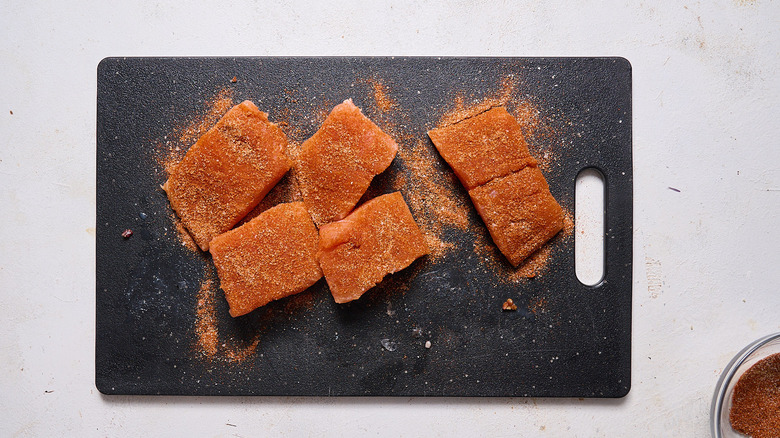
227,172
519,211
379,238
336,165
270,257
483,147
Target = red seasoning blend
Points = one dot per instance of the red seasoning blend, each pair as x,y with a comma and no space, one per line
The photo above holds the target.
755,405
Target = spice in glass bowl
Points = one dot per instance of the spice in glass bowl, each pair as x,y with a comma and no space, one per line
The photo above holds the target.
755,408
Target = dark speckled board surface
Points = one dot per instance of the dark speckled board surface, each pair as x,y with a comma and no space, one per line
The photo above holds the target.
565,339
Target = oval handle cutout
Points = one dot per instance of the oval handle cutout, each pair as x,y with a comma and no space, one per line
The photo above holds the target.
589,208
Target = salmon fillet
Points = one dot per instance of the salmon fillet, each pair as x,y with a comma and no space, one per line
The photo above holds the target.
336,165
489,155
268,258
519,211
483,147
379,238
227,172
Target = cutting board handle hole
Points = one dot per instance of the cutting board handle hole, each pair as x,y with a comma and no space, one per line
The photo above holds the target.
589,208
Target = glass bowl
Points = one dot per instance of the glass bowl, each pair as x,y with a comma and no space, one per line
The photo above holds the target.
721,401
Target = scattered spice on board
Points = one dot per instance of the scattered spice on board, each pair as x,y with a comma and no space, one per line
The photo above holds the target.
207,329
240,354
469,106
172,149
234,80
431,192
509,305
205,322
537,305
293,131
755,404
381,95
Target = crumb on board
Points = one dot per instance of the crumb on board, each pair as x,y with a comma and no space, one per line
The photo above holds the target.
127,233
509,305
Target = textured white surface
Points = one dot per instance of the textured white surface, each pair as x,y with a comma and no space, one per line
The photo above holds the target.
706,94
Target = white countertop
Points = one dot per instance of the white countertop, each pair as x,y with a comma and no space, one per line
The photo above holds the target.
706,93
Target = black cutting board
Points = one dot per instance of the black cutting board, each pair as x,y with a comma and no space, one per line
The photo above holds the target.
565,339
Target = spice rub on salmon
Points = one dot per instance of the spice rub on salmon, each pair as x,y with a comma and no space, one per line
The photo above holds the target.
227,172
336,165
379,238
490,157
268,258
483,147
519,212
